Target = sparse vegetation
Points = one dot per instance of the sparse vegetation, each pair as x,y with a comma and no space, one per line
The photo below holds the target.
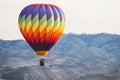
74,57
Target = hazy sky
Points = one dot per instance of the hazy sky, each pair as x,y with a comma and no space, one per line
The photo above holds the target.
82,16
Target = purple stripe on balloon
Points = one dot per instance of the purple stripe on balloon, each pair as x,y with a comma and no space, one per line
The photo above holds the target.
63,15
49,13
28,11
55,13
22,12
37,46
42,12
60,14
35,11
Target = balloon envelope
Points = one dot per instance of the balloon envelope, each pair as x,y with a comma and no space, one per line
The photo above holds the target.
41,25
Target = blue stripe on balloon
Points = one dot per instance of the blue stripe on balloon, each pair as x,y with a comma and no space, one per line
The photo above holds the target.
29,11
49,13
42,8
35,11
55,13
60,14
42,12
23,11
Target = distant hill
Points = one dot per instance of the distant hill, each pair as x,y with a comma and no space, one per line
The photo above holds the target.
82,56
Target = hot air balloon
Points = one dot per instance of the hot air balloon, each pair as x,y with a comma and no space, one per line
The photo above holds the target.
41,25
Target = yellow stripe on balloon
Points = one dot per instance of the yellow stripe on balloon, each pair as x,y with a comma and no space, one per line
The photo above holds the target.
56,27
42,27
19,22
28,26
42,53
23,25
50,27
49,31
35,26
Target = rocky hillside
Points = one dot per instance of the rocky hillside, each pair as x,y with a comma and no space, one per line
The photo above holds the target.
74,57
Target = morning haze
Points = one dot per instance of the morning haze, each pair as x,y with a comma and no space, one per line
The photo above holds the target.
82,16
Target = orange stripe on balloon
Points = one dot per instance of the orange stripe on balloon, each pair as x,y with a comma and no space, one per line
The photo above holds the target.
42,35
36,35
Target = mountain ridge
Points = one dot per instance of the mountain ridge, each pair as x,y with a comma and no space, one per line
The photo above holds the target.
82,56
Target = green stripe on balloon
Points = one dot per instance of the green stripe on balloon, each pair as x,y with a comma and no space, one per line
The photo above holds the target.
60,23
22,19
19,20
28,19
43,19
36,18
50,21
56,23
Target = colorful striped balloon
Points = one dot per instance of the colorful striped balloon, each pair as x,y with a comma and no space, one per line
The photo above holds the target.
41,25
